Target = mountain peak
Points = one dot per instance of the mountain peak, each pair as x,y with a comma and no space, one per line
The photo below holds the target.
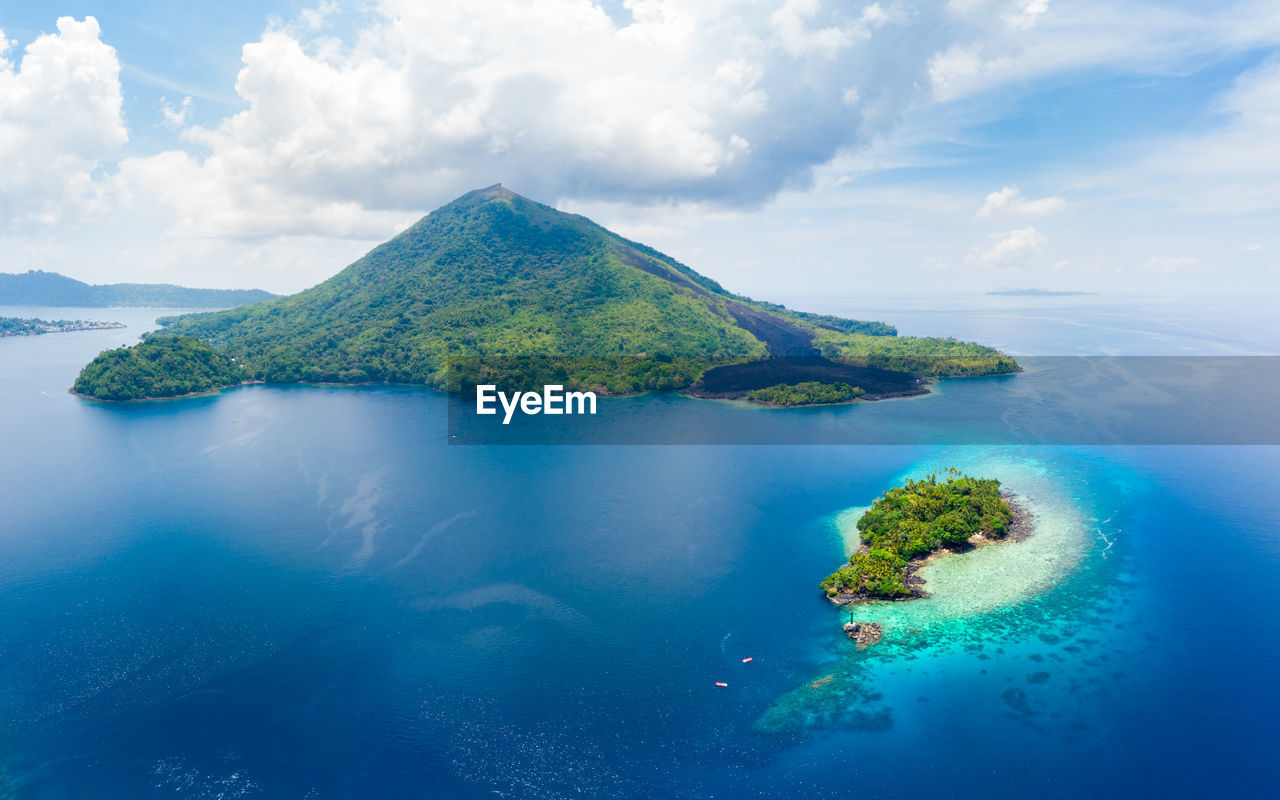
494,192
498,284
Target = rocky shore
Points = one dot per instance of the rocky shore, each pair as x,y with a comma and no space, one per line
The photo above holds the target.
1022,525
206,393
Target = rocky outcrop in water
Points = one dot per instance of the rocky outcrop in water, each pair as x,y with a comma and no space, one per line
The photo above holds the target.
864,633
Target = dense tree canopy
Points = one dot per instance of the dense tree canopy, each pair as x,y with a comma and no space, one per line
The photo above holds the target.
161,366
933,357
806,393
914,520
489,279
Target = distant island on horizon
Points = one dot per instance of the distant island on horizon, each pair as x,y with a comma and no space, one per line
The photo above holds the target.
39,288
1035,293
496,288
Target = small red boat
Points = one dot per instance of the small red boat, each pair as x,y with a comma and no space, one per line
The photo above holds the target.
718,683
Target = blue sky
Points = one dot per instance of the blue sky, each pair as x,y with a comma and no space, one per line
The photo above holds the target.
794,146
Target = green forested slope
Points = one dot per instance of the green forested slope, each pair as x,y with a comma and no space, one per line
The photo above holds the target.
491,275
497,283
161,366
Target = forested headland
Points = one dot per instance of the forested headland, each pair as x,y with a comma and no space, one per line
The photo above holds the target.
158,367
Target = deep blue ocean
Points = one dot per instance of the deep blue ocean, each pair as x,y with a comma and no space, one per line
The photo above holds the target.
306,592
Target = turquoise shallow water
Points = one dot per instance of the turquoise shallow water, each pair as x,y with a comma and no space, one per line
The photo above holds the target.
992,599
305,592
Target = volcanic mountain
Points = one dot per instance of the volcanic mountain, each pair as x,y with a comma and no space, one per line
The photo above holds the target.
495,284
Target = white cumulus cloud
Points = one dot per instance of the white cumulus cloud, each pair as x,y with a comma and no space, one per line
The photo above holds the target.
690,107
1026,13
707,101
1009,200
792,21
176,116
60,118
1016,248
